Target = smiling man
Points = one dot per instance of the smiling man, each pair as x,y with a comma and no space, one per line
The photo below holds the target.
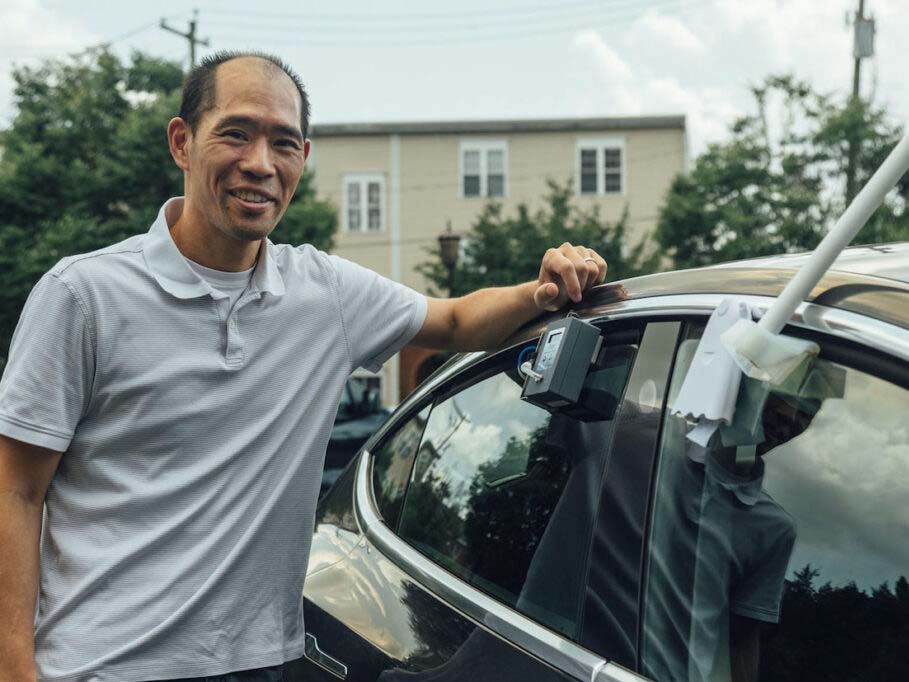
168,401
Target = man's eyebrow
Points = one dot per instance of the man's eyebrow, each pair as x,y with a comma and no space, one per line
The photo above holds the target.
249,122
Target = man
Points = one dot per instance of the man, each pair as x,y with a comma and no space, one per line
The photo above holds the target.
169,399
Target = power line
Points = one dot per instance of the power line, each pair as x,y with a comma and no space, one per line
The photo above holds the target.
505,12
463,23
310,36
29,50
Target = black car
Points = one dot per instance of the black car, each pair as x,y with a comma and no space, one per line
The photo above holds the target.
360,413
479,536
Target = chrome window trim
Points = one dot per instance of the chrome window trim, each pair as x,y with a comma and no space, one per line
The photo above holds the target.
423,391
503,621
616,673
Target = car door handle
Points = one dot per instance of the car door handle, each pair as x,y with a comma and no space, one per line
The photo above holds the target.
323,660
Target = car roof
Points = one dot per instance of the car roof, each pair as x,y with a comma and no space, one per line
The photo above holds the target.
887,261
868,280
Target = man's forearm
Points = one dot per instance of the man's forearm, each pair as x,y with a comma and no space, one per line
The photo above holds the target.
20,527
484,319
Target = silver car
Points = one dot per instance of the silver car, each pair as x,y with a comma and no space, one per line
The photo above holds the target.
479,536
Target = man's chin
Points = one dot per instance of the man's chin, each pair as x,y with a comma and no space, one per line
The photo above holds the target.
251,229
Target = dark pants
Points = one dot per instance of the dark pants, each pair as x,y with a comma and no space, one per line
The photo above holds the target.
273,674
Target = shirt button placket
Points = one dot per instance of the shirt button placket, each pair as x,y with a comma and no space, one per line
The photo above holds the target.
234,341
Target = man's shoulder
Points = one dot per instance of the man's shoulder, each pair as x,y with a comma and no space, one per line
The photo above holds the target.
95,262
304,261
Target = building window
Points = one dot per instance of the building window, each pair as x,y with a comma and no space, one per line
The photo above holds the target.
601,166
483,168
364,203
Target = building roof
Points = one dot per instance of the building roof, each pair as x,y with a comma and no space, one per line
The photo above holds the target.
548,125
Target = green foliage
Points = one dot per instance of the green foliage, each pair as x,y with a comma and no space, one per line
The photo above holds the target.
308,220
774,188
837,632
85,163
502,250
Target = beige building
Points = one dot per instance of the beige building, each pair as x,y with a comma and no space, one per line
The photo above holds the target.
397,185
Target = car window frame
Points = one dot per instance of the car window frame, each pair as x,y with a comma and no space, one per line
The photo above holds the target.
470,370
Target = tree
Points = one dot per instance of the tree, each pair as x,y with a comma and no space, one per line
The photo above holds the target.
85,163
778,183
502,250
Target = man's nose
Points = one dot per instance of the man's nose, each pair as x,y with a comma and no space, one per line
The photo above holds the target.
257,159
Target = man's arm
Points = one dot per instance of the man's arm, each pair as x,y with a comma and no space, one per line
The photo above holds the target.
745,648
25,473
485,318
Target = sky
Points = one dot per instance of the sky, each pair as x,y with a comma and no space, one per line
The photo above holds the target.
402,60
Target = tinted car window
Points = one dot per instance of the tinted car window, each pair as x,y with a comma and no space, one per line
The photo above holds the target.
779,551
391,467
502,490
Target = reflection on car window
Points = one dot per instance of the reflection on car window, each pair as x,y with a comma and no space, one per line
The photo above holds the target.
500,493
779,551
391,467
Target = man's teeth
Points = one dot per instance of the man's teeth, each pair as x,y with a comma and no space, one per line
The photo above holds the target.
251,197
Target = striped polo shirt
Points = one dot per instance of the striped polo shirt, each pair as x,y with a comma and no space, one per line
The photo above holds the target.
178,523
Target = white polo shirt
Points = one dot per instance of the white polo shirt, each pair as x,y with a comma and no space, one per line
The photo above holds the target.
179,520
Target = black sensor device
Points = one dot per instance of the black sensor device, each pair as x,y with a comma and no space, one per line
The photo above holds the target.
564,355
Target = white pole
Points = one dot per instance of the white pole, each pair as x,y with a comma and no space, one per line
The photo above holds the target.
855,217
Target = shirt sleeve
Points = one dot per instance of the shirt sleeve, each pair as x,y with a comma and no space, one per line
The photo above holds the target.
380,316
47,381
760,593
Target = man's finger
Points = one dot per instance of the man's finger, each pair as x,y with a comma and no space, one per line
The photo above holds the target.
562,265
590,265
546,296
602,266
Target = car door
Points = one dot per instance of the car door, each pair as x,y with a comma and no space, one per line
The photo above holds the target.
481,514
781,551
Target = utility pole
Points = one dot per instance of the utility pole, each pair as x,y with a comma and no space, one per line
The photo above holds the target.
189,35
863,46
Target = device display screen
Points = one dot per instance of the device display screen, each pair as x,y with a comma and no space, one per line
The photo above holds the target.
550,350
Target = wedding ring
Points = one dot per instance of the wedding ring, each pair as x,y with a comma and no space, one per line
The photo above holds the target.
592,260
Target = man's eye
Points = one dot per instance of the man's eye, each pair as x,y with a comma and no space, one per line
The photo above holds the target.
235,134
288,143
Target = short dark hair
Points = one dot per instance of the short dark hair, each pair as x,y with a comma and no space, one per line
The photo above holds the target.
199,87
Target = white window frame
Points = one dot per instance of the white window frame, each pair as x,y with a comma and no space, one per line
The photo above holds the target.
364,179
483,147
600,144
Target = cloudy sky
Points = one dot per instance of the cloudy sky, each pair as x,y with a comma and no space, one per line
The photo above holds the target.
437,59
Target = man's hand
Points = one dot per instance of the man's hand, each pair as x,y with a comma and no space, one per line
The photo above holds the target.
566,272
483,319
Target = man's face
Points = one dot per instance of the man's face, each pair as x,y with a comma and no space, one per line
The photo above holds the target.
247,153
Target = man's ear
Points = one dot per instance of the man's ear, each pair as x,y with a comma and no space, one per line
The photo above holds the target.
306,148
179,137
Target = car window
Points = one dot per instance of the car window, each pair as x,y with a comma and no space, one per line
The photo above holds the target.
392,462
779,551
487,498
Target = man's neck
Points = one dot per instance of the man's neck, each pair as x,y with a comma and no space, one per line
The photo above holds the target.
211,247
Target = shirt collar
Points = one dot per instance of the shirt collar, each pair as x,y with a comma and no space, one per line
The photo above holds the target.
173,274
747,490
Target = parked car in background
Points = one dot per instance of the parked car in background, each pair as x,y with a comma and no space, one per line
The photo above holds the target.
360,413
481,537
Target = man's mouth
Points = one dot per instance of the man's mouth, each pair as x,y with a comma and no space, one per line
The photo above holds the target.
250,196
